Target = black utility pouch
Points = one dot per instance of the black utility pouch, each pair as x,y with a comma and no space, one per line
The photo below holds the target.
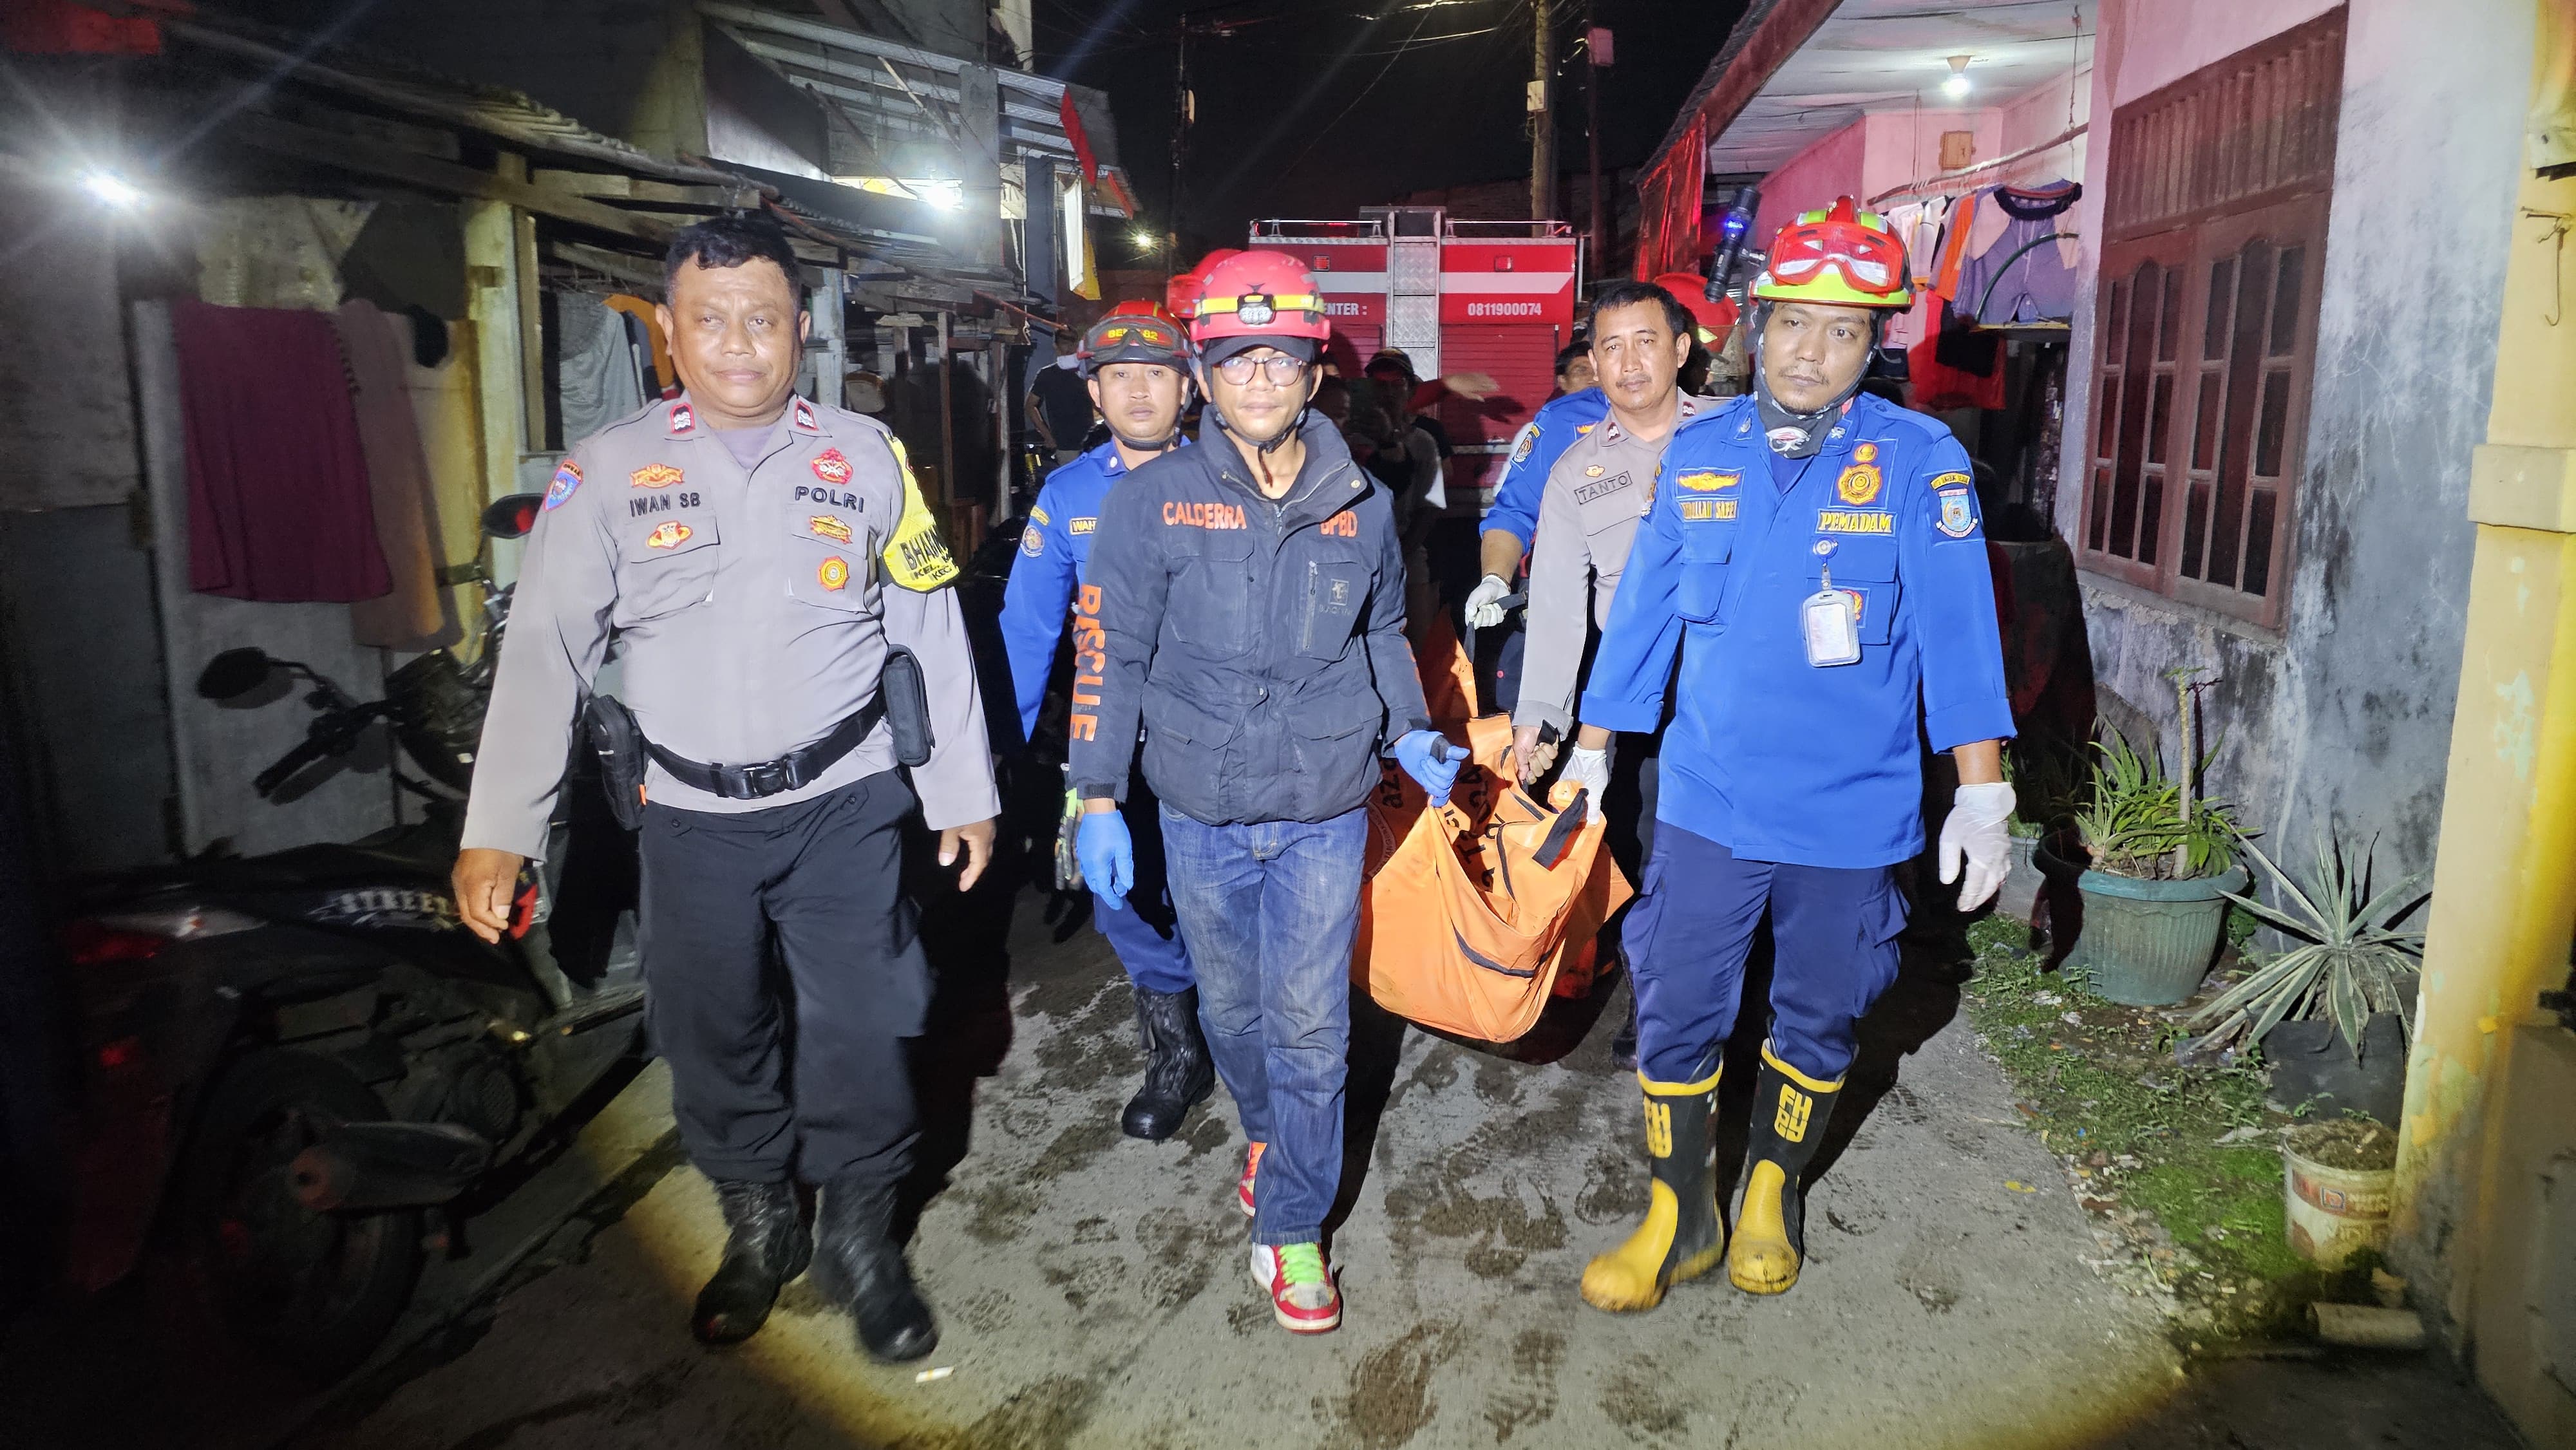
907,706
620,745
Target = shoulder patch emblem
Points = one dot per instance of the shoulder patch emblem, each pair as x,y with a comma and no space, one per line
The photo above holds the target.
1942,481
1081,526
1033,542
684,420
567,478
825,526
654,475
669,534
834,573
1958,514
1708,482
831,466
1526,444
1858,484
916,557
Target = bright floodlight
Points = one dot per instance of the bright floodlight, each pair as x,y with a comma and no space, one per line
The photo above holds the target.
110,189
1958,84
1143,238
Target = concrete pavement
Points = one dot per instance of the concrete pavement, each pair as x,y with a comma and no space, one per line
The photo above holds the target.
1092,1290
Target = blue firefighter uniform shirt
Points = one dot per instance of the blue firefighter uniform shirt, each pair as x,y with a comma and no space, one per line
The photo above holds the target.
1535,449
1054,559
1770,756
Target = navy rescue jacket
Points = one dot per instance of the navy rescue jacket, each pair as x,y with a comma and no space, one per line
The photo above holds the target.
1260,642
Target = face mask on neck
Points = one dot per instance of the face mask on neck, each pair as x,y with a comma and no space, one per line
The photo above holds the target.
1798,435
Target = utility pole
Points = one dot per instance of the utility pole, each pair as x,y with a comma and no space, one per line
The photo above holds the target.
1542,118
1186,111
1596,54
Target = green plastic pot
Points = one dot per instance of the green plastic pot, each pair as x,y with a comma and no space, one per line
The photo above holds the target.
2149,943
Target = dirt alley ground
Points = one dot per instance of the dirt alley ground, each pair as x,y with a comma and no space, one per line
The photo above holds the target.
1092,1290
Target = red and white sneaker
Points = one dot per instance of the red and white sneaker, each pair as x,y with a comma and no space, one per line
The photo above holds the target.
1303,1297
1243,1185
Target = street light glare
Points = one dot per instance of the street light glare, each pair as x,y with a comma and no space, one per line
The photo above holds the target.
110,189
1143,238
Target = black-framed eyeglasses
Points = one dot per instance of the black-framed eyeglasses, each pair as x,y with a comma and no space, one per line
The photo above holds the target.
1279,367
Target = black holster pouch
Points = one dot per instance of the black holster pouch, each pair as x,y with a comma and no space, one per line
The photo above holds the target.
906,696
619,742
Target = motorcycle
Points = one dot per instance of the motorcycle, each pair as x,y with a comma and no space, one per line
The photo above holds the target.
293,1060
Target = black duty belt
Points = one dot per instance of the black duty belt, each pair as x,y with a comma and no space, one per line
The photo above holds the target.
796,768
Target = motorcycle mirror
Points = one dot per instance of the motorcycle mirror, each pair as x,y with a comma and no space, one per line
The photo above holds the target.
234,673
513,516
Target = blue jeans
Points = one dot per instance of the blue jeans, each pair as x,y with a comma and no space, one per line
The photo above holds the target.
1270,910
1144,932
1833,933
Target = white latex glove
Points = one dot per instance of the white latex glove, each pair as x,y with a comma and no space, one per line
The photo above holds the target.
1589,769
1484,607
1974,831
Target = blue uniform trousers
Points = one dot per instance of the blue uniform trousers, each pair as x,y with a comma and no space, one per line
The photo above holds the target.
1833,931
1145,933
1272,908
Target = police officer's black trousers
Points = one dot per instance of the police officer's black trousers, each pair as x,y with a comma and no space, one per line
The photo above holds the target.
782,973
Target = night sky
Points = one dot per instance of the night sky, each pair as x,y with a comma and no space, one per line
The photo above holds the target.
1316,107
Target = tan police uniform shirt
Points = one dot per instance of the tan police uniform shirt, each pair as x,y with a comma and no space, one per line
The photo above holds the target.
751,612
1587,516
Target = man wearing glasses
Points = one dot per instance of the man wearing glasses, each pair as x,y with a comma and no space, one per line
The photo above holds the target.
1246,600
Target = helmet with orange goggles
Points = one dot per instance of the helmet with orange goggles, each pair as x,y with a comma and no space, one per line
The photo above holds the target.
1841,256
1144,335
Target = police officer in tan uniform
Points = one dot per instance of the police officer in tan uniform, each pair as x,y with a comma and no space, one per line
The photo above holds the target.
755,561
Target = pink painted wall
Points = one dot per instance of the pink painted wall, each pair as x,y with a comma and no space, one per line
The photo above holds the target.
1829,168
1905,146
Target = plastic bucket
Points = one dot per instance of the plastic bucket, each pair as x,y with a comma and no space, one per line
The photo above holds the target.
2148,943
2334,1213
2019,894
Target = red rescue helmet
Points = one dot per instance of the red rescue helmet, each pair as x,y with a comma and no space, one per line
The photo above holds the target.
1841,256
1135,332
1259,299
1182,292
1713,319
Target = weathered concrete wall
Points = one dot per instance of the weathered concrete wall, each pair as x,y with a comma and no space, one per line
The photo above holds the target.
2343,717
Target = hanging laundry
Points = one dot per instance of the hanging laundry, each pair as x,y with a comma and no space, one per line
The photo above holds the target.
413,614
641,311
1953,367
597,381
2025,273
278,501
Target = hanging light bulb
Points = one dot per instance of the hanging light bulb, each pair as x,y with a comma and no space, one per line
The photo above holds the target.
1958,85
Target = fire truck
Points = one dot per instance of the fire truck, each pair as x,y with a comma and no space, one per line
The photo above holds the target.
1455,296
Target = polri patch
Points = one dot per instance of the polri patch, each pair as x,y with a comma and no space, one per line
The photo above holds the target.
803,413
1859,483
654,475
1855,521
567,478
668,534
825,526
834,574
831,467
684,420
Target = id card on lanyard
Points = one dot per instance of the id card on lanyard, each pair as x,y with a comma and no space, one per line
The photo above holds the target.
1830,619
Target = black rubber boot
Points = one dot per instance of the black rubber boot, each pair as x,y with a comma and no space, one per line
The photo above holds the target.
1790,1110
766,1245
1177,1071
859,1267
1680,1238
1623,1043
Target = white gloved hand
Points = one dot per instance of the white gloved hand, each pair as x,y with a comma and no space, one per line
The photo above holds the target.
1974,831
1484,606
1589,769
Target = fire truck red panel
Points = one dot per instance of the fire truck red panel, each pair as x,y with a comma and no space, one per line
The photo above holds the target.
1523,361
1507,282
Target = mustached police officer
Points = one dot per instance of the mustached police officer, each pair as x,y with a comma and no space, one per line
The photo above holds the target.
762,566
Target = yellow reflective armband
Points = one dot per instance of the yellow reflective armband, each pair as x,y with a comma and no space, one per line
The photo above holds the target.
916,557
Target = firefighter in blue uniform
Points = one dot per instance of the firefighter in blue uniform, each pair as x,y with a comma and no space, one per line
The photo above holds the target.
1136,360
1819,551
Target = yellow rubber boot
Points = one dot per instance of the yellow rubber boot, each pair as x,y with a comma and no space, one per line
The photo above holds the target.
1680,1238
1790,1110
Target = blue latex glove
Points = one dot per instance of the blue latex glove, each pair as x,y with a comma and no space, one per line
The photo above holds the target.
1108,855
1432,761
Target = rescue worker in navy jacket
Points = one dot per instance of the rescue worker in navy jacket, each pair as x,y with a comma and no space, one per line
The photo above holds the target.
1818,553
1247,602
754,558
1137,363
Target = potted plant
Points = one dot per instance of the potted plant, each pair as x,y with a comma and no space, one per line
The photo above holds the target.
2337,1179
2330,1012
2158,870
